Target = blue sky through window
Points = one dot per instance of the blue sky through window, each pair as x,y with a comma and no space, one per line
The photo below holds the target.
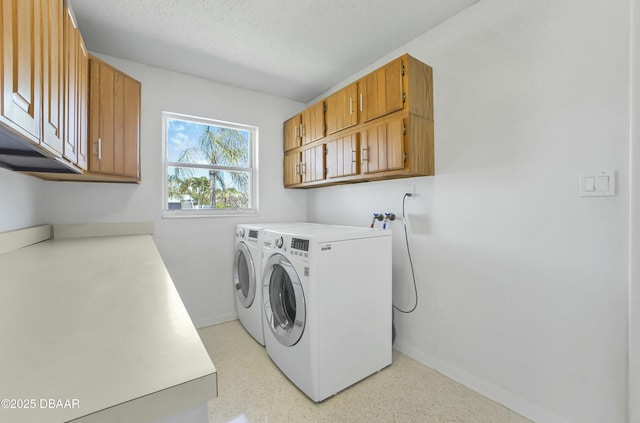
182,135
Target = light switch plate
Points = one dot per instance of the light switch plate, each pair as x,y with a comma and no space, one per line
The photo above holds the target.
601,183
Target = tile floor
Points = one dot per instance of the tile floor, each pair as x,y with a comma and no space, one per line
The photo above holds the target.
251,389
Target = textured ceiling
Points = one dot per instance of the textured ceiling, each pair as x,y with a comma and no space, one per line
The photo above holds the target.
295,49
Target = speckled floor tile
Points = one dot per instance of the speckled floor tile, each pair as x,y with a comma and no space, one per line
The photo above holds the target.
251,389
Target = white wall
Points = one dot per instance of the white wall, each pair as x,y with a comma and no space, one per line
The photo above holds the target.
522,283
198,252
20,205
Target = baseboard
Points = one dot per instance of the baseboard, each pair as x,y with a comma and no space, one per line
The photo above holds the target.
214,320
499,395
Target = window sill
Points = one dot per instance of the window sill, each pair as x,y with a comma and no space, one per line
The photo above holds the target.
184,214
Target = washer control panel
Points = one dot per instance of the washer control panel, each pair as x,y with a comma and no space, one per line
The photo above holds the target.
286,244
300,244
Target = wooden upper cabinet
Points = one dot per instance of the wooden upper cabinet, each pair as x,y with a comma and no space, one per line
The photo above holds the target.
342,109
313,165
52,76
114,121
379,127
304,128
71,83
383,146
304,165
381,92
22,67
292,164
44,99
343,156
313,126
291,132
76,76
82,107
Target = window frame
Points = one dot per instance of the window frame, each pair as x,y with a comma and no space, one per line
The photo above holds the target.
252,169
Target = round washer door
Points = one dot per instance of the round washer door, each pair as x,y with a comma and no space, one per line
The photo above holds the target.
244,275
284,305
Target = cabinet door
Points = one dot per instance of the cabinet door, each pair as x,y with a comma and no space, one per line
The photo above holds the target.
313,164
291,133
381,92
383,146
342,156
22,66
114,121
82,109
292,169
52,76
342,109
313,127
130,144
101,117
71,93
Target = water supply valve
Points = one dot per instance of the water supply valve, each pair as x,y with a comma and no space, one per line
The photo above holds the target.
388,217
376,216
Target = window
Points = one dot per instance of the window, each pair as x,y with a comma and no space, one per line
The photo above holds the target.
209,167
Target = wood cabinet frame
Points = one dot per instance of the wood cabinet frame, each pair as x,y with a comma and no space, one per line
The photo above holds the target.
392,137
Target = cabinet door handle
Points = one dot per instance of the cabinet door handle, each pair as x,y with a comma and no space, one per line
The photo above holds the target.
350,106
364,155
353,156
360,101
99,148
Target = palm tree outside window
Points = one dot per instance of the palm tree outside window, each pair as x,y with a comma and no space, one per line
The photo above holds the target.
209,166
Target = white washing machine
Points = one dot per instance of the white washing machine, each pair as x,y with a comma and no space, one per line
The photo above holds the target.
327,305
247,274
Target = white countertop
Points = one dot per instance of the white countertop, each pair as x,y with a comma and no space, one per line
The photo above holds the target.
96,320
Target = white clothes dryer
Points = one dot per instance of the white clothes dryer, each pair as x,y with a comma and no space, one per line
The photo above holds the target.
247,274
327,305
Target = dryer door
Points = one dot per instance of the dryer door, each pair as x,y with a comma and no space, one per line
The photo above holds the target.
244,275
284,305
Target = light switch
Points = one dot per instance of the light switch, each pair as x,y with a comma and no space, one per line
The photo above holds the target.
589,183
600,183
